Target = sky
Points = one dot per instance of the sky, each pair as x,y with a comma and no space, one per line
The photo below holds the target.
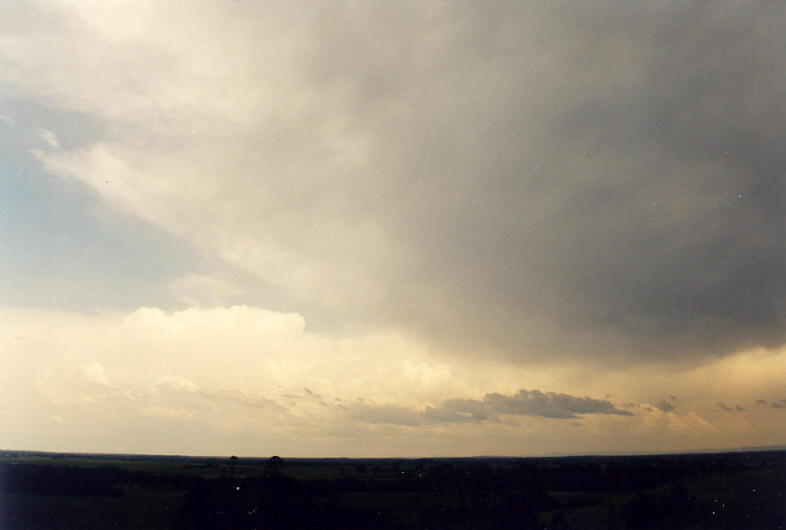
392,229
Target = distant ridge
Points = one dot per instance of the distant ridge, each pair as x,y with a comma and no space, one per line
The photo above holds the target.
703,450
132,456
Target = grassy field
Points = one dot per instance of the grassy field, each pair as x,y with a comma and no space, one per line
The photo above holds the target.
151,510
733,490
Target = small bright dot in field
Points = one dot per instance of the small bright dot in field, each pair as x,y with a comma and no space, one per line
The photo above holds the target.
739,195
193,131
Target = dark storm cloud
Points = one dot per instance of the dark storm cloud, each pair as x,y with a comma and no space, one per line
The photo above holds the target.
534,179
604,178
524,403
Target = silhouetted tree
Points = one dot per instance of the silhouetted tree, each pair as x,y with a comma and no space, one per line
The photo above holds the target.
274,467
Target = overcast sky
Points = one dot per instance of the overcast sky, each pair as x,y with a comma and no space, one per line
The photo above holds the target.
392,229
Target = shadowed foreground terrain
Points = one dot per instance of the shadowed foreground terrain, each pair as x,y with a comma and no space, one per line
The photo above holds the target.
694,491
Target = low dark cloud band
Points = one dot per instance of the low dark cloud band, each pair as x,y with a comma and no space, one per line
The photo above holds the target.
490,408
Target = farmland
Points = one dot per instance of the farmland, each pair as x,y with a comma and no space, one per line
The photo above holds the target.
690,491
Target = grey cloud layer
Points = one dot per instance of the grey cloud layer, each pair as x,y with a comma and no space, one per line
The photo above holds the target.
727,408
665,406
610,178
524,403
775,404
540,179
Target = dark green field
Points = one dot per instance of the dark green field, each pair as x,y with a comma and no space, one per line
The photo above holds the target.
700,491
